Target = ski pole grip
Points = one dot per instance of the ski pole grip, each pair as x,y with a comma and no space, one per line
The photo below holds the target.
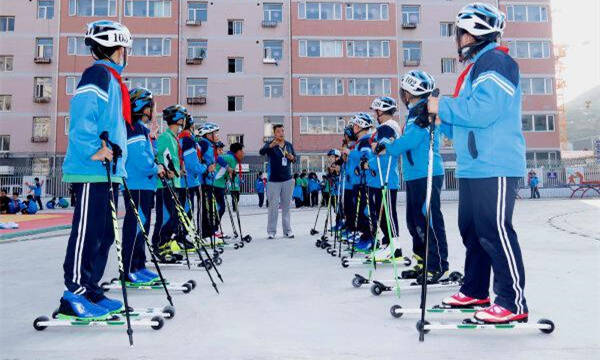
435,93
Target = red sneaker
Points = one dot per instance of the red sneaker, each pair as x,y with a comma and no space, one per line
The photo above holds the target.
461,300
497,314
218,234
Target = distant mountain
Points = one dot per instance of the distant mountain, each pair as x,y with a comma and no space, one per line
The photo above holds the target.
583,119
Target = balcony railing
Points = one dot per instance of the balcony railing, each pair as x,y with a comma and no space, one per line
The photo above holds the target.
269,23
41,100
197,100
412,62
409,25
42,60
39,139
193,22
194,61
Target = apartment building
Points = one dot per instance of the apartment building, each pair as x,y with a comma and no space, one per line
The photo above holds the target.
247,65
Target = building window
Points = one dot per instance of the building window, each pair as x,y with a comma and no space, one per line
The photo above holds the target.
235,138
92,7
273,49
197,87
538,122
151,47
7,23
448,65
42,87
368,48
6,63
235,65
410,14
320,48
312,162
526,13
235,27
41,127
315,86
322,125
148,8
4,143
67,121
197,11
537,86
272,12
5,102
362,11
412,52
43,48
71,84
529,49
235,103
269,121
196,49
76,46
319,11
446,29
273,87
45,9
369,87
157,85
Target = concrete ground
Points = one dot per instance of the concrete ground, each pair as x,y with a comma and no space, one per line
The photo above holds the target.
285,299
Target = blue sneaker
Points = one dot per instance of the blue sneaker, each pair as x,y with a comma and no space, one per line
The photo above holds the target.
153,277
78,306
113,306
137,278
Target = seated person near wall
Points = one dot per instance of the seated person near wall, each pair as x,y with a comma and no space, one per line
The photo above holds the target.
4,200
14,205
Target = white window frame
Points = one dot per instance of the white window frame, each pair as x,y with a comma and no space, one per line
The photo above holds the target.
269,84
238,65
41,84
548,85
6,61
445,62
165,82
510,12
303,48
338,86
239,103
239,30
164,51
67,121
195,90
5,99
197,47
411,49
45,123
406,14
166,8
337,10
76,46
384,47
44,47
339,120
386,86
112,8
268,13
549,119
267,49
43,9
71,82
350,11
445,26
513,46
196,12
8,19
3,144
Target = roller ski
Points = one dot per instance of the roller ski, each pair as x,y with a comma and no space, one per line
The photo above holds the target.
166,312
454,279
367,260
43,322
398,311
185,287
546,326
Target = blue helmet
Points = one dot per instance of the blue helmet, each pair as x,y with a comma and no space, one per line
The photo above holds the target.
363,120
334,152
480,19
140,98
208,128
174,113
417,83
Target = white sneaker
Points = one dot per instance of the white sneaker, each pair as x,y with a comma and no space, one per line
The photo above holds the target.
289,235
271,236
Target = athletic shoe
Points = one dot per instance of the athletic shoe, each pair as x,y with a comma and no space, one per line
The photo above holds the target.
497,314
78,306
364,245
271,236
112,305
218,234
433,277
137,278
289,235
149,274
461,300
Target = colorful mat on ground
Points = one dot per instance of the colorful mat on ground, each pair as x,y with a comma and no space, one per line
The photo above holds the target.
30,224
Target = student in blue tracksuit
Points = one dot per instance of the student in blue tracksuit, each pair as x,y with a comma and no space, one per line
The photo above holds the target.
485,115
100,103
259,186
141,182
209,137
413,147
383,169
361,123
37,191
29,206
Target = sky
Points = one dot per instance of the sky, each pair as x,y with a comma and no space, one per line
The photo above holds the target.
576,23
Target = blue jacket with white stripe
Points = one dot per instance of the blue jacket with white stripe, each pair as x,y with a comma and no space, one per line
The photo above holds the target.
486,118
362,150
140,165
96,107
373,174
193,167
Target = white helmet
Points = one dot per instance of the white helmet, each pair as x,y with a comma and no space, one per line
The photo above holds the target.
108,34
480,19
383,103
363,120
417,82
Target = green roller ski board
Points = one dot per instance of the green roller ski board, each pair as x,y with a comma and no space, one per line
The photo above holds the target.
360,280
398,311
185,287
194,264
379,287
346,262
546,326
166,312
42,322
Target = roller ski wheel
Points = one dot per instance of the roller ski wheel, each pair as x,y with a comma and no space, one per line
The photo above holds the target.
333,253
359,280
394,311
169,311
407,261
313,232
247,238
105,286
548,322
220,250
187,287
377,289
37,323
159,322
192,283
421,326
242,244
455,276
345,262
318,243
218,261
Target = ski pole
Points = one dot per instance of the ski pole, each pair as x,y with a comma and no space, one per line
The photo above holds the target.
235,233
111,200
435,93
313,231
145,236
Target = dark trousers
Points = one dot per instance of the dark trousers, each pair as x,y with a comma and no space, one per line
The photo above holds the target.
235,199
134,244
485,209
166,218
416,210
38,200
375,197
361,223
194,198
314,198
535,193
324,198
349,207
261,199
305,196
92,234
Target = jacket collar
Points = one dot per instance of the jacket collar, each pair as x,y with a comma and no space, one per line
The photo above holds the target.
487,48
110,64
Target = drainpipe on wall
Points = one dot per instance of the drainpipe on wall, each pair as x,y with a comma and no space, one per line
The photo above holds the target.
290,67
57,52
179,4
